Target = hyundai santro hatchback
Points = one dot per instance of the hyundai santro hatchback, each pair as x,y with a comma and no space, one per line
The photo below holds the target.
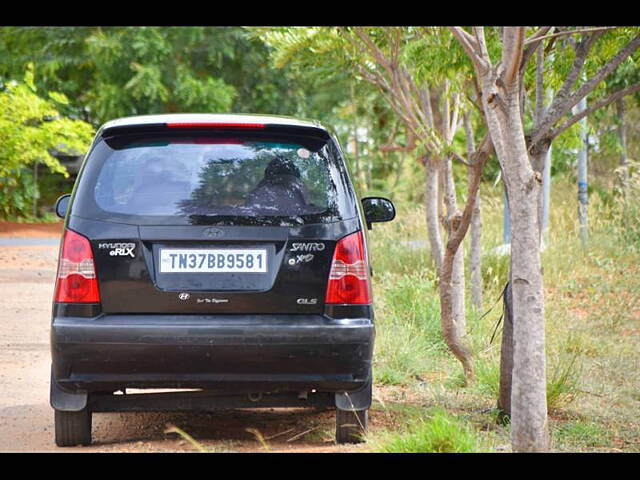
213,261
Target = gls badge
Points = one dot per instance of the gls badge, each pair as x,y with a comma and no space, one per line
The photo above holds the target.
307,301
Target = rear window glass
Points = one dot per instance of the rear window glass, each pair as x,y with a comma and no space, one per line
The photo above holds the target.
265,180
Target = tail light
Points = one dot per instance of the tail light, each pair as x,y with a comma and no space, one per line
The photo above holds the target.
76,281
349,275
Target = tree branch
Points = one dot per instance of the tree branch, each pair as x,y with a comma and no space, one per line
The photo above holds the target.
373,48
539,110
461,159
566,32
512,51
531,45
602,103
469,44
582,50
563,100
611,65
394,147
481,156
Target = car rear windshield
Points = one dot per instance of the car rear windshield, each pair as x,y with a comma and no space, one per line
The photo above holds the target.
232,179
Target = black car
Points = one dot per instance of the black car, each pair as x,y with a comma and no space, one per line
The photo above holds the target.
220,257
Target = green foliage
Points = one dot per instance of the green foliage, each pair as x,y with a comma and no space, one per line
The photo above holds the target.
132,74
324,58
441,433
31,129
118,71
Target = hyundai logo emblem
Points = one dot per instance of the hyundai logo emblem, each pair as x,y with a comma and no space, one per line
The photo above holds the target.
184,296
213,232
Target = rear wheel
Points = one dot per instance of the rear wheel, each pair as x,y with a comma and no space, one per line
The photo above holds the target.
351,427
73,428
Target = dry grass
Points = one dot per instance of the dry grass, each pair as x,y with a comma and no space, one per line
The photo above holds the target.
592,309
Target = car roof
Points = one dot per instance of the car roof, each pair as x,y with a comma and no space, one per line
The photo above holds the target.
210,117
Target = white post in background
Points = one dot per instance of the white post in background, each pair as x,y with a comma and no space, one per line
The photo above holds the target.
583,199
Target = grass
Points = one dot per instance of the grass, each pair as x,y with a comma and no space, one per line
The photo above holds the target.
592,311
409,328
441,433
582,434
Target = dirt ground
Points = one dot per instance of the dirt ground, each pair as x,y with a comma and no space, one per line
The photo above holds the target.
26,420
14,229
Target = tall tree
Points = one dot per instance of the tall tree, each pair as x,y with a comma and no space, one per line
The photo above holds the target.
521,157
31,128
475,254
500,87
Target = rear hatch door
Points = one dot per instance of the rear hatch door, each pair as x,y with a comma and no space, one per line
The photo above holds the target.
221,221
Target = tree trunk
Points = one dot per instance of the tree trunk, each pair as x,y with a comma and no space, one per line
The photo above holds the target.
356,157
457,271
36,193
475,254
506,357
441,191
538,161
450,329
529,429
431,204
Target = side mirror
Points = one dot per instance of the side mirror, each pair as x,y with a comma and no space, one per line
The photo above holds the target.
62,205
378,209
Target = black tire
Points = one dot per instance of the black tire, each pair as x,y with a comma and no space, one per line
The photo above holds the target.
351,427
73,428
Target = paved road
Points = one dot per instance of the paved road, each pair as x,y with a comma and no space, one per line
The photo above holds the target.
28,241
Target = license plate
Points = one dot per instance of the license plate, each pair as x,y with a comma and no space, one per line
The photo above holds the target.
228,260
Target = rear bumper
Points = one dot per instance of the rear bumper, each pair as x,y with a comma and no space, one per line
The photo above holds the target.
226,353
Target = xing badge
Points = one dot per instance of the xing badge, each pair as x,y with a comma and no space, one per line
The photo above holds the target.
119,249
301,259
